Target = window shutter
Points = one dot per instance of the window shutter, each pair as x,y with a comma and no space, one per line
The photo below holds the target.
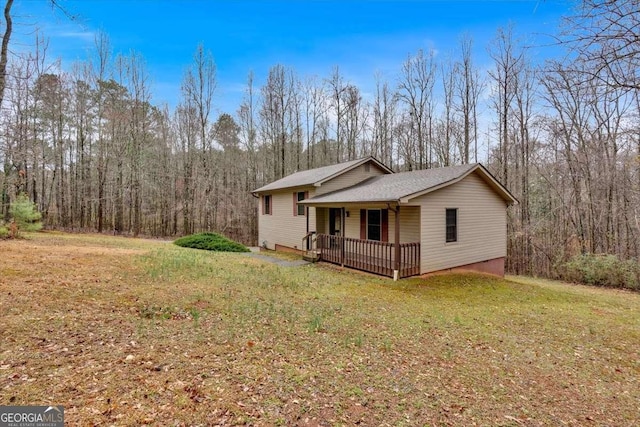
385,225
262,205
363,224
306,209
295,203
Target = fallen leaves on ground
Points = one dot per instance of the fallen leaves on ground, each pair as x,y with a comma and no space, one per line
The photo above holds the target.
133,332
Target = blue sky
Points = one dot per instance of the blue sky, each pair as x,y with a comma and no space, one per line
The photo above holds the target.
362,37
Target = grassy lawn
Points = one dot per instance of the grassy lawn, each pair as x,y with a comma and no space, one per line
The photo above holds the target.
132,332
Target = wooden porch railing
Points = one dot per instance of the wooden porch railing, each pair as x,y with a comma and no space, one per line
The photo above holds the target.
369,255
309,240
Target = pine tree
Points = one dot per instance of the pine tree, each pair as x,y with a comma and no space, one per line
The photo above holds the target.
25,216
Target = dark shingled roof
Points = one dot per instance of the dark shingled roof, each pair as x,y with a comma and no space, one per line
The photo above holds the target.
393,187
312,176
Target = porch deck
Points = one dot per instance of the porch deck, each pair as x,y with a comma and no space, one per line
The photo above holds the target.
370,255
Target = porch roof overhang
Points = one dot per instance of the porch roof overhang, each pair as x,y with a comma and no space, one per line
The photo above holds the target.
374,204
401,188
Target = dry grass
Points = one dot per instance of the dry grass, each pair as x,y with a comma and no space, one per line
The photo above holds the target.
132,332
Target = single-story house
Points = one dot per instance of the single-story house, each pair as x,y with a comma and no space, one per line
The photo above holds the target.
360,214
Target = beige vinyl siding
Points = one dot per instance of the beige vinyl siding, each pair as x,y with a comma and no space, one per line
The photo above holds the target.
282,227
409,224
322,220
349,178
482,227
352,224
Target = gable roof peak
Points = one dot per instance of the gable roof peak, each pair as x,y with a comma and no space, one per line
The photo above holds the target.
319,175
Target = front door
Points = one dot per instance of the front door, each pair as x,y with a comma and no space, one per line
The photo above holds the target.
335,221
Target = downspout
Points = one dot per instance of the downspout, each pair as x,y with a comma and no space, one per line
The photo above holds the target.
257,196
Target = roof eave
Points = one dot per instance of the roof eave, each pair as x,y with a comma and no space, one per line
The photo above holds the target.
498,187
344,203
292,187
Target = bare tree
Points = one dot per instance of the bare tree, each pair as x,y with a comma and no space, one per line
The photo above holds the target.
199,85
468,88
315,106
4,49
595,151
354,119
140,112
82,112
507,60
100,71
384,120
20,127
337,88
604,36
448,122
525,88
187,134
404,134
415,90
275,112
248,132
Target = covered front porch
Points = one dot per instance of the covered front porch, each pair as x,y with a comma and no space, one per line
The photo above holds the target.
378,238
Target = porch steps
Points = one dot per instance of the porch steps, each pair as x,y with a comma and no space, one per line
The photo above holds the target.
311,256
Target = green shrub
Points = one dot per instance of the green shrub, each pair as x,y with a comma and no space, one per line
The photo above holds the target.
24,217
602,270
210,242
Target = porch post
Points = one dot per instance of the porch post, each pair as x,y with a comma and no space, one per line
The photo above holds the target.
343,230
396,272
306,209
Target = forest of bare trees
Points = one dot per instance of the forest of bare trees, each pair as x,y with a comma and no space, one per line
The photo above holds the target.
94,153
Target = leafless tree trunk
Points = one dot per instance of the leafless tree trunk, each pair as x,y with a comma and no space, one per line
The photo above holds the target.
199,85
468,89
4,49
277,103
448,121
415,90
507,61
338,88
315,106
353,120
384,120
138,132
